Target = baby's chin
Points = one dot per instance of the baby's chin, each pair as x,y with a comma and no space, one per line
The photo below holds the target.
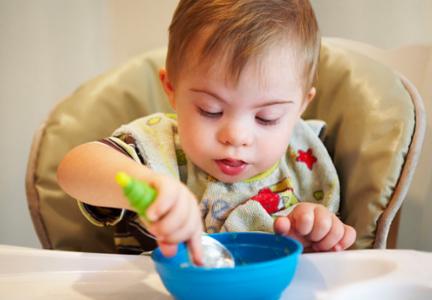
248,173
228,179
233,179
251,174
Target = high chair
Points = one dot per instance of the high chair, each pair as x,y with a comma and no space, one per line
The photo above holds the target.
375,128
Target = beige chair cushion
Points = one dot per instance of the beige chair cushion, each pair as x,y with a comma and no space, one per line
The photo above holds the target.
370,117
91,113
371,120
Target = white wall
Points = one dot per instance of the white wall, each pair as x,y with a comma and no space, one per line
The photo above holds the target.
383,23
48,47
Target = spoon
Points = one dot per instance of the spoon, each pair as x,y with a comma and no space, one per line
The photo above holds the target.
215,255
141,195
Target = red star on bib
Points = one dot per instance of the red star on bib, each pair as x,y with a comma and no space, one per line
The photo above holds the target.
268,200
306,157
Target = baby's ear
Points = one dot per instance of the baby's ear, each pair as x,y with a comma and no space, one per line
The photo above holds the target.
167,86
310,95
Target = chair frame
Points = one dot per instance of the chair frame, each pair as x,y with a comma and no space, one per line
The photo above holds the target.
388,223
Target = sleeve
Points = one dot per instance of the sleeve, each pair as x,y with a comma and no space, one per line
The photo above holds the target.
101,216
106,216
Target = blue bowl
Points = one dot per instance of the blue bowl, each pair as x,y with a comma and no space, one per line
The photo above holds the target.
265,265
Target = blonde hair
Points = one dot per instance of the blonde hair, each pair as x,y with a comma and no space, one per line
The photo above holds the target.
243,30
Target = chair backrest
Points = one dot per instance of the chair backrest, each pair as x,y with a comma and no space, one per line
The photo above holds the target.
376,126
375,129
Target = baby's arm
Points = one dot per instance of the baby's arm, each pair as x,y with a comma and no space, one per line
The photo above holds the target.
317,228
88,171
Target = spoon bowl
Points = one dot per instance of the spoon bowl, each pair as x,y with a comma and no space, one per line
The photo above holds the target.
215,255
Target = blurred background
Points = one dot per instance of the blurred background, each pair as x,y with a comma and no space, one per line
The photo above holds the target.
49,47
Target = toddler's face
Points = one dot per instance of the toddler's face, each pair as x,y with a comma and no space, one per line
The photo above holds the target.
236,131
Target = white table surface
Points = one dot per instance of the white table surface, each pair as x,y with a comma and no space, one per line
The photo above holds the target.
27,273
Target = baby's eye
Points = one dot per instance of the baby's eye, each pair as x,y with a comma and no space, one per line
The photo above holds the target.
209,114
266,122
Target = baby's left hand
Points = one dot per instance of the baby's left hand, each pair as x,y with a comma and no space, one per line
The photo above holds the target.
316,228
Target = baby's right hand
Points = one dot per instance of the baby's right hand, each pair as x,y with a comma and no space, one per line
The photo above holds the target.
175,217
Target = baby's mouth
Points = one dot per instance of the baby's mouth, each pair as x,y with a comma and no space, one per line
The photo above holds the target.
230,166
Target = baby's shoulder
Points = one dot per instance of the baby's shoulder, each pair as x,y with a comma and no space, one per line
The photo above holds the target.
158,126
156,120
308,131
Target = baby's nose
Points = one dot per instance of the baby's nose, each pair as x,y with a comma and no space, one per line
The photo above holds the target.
236,136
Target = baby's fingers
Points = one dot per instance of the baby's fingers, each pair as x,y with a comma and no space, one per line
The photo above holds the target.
186,230
165,200
174,219
323,220
348,238
195,248
302,219
333,237
282,225
167,249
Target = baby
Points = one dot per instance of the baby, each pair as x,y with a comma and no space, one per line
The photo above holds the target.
236,156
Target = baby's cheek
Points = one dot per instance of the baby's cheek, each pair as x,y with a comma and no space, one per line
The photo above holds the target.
274,147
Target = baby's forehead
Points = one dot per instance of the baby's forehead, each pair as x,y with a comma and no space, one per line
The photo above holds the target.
268,76
259,65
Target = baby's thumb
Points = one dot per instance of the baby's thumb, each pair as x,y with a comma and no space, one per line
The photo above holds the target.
168,250
282,226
